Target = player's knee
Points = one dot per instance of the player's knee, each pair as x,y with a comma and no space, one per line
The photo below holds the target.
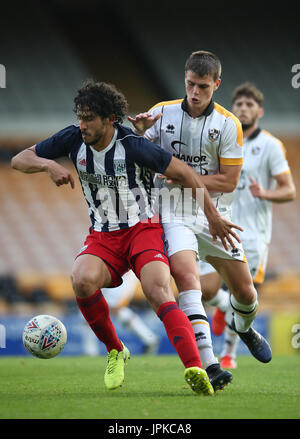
159,293
84,284
185,279
246,294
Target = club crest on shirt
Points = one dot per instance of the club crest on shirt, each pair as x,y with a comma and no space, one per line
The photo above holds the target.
213,134
119,165
256,150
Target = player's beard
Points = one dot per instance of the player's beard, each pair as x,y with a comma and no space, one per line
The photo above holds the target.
94,141
250,122
246,126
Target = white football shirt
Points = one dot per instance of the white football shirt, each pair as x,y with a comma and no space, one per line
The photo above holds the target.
264,158
204,142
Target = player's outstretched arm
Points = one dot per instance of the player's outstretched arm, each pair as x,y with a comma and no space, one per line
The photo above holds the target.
29,162
182,174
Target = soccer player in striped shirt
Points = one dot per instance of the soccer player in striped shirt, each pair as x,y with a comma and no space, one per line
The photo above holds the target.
209,138
115,168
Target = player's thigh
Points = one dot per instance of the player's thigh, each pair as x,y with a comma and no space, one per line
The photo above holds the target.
237,277
156,283
88,274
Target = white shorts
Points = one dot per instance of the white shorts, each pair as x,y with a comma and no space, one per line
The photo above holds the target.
123,294
181,237
257,257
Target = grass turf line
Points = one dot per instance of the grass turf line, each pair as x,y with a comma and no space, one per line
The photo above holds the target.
154,388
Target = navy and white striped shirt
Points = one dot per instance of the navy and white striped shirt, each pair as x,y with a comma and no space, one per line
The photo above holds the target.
117,182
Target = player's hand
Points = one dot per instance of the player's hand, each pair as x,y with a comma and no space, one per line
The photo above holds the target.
222,228
256,189
60,175
143,121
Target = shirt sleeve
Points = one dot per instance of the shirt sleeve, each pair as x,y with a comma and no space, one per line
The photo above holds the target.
60,144
231,147
149,155
278,163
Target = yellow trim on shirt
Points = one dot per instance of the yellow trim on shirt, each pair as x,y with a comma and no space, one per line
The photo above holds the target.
279,141
162,104
226,113
288,171
238,161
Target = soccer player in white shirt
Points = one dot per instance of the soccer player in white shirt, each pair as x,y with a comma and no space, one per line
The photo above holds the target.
265,179
209,138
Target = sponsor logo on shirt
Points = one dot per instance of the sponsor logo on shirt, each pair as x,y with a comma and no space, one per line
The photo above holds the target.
170,129
110,181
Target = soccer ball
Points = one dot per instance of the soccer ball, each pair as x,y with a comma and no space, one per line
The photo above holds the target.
44,336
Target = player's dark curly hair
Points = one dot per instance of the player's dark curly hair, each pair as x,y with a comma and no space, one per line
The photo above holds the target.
102,99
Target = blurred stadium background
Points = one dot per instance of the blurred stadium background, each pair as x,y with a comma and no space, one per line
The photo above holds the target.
48,50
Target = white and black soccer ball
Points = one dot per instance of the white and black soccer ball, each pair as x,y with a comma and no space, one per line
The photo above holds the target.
44,336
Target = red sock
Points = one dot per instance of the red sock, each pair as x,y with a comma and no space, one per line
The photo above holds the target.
95,310
180,333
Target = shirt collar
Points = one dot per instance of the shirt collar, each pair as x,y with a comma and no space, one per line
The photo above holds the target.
254,134
208,110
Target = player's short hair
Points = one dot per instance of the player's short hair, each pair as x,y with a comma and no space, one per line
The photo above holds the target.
250,91
204,63
102,99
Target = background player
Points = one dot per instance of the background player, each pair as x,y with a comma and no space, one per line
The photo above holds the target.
265,179
114,167
209,138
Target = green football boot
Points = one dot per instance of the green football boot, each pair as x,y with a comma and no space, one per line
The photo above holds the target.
198,380
114,373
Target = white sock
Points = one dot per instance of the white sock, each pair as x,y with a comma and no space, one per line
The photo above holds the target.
243,314
134,323
190,302
231,341
221,300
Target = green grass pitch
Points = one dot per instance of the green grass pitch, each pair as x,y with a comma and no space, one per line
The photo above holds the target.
154,388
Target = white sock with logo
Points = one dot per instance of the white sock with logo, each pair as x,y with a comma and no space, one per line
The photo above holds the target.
190,302
243,314
221,300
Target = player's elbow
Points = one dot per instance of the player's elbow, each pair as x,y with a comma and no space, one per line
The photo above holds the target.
230,185
14,162
292,193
